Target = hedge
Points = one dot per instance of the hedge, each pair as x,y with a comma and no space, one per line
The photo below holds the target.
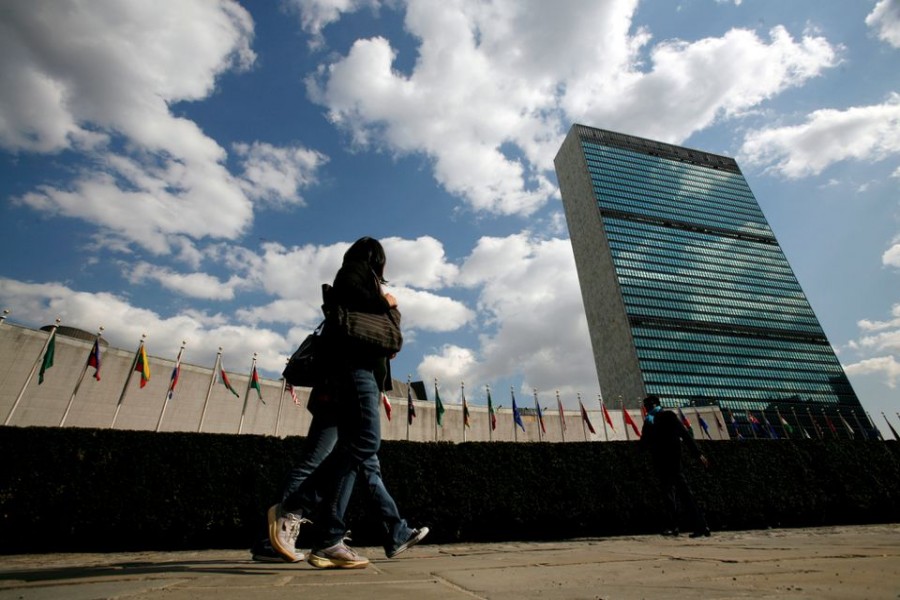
75,489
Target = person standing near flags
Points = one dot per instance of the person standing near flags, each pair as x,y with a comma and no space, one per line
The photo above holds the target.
356,377
662,435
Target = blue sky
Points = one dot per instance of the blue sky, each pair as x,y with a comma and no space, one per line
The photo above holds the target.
194,170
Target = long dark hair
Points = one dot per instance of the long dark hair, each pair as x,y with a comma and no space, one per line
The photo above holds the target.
369,251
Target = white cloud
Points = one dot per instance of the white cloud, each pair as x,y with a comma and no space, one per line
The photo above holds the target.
885,18
532,317
276,175
90,74
891,256
886,366
124,324
863,133
315,15
495,84
193,285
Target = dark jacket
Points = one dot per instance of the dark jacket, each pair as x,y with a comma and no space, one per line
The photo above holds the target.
357,289
662,436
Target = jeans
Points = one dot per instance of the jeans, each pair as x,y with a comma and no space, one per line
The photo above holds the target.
680,499
337,447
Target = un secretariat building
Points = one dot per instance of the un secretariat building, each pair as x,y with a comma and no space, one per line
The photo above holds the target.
688,294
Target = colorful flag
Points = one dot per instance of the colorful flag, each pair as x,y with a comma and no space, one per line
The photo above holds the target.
465,409
719,425
685,422
142,365
606,415
754,422
438,406
734,426
48,357
540,415
772,433
174,380
849,429
517,417
491,412
703,424
387,405
292,392
784,424
562,414
630,421
227,383
585,418
829,423
94,359
410,407
254,382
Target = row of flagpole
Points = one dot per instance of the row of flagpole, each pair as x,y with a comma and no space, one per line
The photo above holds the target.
141,364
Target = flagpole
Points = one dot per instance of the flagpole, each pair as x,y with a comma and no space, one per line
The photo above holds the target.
280,402
62,421
562,418
127,381
212,382
171,391
435,410
603,417
247,394
34,369
537,409
583,424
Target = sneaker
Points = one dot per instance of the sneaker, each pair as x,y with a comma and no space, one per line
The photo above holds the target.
262,551
415,537
670,532
284,528
339,556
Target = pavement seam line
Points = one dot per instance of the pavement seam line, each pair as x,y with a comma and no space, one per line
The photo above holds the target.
456,587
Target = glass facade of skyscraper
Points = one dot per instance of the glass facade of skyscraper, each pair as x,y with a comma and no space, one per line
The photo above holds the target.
715,313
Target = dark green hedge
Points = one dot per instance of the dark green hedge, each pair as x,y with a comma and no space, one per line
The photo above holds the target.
99,490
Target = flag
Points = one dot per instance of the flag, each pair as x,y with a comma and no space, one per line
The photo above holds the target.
540,415
228,383
686,422
387,405
94,359
517,417
491,412
142,365
562,415
784,424
734,425
410,407
606,415
630,421
719,425
465,409
290,390
438,406
830,424
585,418
754,421
174,380
48,357
254,382
772,433
703,424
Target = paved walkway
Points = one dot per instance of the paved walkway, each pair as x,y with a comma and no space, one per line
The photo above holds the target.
834,562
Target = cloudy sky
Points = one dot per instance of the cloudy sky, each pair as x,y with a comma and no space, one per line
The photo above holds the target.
194,170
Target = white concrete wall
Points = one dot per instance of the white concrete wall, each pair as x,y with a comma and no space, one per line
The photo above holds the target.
95,403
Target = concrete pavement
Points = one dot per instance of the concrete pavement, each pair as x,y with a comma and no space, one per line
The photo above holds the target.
833,562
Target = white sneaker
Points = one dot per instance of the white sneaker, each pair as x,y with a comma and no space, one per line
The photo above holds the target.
284,528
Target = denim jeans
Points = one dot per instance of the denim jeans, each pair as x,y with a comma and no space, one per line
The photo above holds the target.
354,435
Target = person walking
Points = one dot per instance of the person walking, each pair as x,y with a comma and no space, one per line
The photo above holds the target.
320,440
356,375
662,435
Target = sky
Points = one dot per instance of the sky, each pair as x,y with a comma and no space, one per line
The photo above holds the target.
194,170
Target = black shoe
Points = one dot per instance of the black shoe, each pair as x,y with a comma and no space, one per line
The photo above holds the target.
670,532
701,533
416,536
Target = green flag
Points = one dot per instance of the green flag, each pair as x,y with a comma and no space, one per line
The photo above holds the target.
48,358
438,407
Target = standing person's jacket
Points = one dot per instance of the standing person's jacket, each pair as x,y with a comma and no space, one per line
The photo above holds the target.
662,436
